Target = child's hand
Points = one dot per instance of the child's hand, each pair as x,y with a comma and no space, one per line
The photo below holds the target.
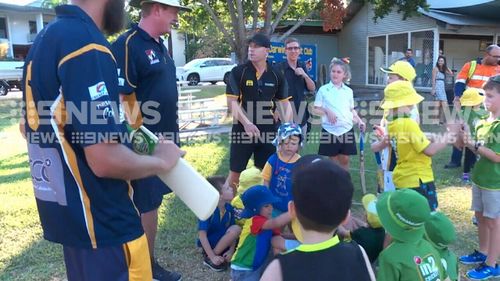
362,125
228,255
467,138
217,260
332,118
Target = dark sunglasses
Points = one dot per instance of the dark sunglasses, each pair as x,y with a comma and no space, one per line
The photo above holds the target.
495,79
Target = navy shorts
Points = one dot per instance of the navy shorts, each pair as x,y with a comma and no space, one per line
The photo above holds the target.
124,262
332,145
148,193
242,147
428,190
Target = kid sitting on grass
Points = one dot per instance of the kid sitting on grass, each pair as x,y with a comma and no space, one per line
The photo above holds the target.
248,178
277,172
440,232
409,257
412,148
217,235
486,186
471,101
258,231
322,193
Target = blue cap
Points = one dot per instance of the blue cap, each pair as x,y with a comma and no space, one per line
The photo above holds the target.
287,130
254,198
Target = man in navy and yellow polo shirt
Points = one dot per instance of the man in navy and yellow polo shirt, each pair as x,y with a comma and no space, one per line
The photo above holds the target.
78,164
148,85
250,93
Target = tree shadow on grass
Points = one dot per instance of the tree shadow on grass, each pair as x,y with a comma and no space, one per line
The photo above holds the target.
41,260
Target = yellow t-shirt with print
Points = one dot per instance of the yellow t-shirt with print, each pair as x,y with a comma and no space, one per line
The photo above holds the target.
409,142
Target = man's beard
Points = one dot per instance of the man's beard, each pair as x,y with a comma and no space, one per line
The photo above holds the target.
114,16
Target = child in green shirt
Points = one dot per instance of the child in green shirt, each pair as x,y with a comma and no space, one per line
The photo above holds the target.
440,232
486,186
471,102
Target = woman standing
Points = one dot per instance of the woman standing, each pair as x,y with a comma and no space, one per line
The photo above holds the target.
438,86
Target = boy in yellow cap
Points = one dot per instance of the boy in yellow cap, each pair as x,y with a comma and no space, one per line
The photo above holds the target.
471,101
412,148
399,71
371,237
440,232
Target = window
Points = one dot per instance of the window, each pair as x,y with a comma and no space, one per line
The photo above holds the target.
32,25
3,28
376,60
398,43
422,43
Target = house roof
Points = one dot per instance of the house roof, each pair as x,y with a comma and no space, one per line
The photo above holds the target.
459,19
25,9
476,8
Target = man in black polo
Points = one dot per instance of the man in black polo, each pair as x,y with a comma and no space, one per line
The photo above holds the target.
250,93
298,81
149,91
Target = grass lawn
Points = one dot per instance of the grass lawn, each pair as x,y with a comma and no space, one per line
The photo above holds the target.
24,255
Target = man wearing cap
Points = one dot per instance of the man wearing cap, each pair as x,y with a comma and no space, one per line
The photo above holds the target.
409,257
82,194
250,92
474,77
148,86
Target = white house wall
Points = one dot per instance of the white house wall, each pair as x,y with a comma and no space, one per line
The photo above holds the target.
352,43
178,48
19,28
393,23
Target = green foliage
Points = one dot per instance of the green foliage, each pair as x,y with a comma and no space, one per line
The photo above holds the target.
53,3
408,8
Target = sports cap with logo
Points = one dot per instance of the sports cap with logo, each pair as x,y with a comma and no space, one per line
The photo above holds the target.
403,214
401,68
172,3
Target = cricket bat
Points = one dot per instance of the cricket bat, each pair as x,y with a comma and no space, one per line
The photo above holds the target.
362,161
187,184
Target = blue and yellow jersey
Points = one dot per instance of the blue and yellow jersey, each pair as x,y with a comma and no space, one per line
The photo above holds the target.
217,224
71,95
147,76
255,242
278,172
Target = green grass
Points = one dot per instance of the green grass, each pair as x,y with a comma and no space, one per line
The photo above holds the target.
24,255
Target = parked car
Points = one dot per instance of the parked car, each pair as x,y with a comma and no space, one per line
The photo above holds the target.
11,74
205,70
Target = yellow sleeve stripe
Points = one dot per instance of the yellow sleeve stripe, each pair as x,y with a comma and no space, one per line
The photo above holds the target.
286,99
126,58
231,95
85,49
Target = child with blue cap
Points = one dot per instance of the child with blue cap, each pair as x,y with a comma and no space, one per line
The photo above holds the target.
258,231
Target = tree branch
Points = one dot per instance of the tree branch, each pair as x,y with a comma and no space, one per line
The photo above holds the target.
268,18
241,20
219,24
296,25
280,14
255,15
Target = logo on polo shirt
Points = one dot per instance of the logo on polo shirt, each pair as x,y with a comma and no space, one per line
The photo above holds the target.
249,83
153,58
98,90
428,268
